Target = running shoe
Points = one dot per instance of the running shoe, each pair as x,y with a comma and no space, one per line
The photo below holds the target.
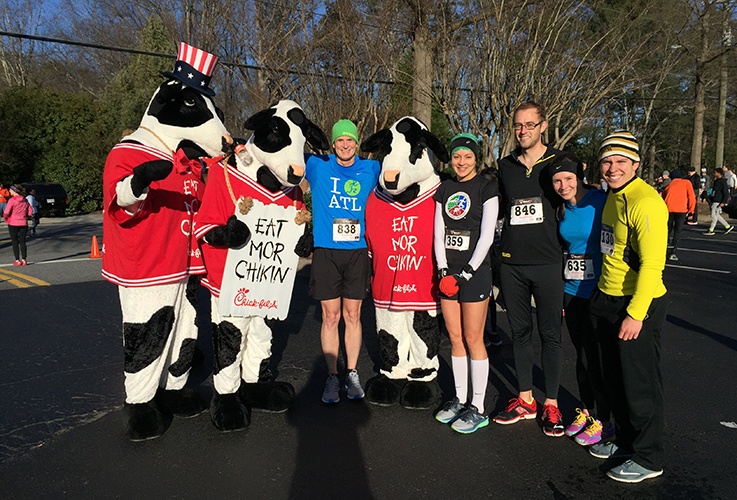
579,423
16,263
469,421
517,410
608,450
450,411
709,233
353,387
673,257
23,262
729,230
332,388
632,472
595,432
552,421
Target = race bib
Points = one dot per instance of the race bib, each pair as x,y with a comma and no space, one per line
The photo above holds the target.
607,240
346,230
579,267
526,211
456,239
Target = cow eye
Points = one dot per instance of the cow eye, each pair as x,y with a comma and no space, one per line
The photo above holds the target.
189,102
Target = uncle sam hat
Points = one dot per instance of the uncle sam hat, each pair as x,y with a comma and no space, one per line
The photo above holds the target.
194,68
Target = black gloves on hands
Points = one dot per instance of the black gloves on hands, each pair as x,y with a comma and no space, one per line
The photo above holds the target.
148,172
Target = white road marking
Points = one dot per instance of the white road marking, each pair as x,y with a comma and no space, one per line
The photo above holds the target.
720,271
705,251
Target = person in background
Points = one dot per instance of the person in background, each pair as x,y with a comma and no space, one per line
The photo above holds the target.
35,217
579,226
693,218
16,214
680,200
730,178
719,198
4,197
466,209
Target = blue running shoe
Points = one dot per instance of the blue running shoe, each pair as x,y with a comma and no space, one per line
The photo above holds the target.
450,411
632,472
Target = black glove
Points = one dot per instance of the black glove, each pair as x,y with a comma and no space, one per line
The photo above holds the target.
234,234
306,243
148,172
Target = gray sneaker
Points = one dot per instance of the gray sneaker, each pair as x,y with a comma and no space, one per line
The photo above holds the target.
608,450
332,387
353,387
632,472
469,421
450,411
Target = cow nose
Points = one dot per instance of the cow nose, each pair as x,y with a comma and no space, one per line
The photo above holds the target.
391,176
298,170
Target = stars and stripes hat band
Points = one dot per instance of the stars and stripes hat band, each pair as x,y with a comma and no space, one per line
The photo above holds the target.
621,142
194,68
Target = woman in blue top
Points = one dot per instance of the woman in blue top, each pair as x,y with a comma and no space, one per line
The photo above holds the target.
579,225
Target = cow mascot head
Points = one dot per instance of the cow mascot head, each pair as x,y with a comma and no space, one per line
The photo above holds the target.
253,207
152,186
399,233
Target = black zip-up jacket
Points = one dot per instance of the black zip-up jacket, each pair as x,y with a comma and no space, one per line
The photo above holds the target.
720,190
529,244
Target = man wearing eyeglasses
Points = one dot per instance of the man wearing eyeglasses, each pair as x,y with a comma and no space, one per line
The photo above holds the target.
532,259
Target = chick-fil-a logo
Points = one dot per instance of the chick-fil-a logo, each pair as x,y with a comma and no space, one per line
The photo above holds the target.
241,300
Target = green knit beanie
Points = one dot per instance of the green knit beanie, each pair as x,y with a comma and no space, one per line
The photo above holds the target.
345,128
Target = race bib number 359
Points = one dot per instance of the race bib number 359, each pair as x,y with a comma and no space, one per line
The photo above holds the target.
526,211
346,230
457,239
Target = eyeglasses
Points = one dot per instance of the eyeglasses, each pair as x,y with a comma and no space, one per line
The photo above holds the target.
527,126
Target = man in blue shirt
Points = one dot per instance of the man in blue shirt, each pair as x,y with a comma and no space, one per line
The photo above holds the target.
341,271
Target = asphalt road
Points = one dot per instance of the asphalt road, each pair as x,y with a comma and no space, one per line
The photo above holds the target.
61,393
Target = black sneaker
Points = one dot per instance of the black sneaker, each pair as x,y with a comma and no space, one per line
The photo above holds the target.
552,421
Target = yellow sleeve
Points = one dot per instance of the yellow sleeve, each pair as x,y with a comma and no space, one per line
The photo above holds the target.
650,240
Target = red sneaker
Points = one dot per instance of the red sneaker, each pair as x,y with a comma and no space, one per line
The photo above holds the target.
517,410
16,263
23,262
552,421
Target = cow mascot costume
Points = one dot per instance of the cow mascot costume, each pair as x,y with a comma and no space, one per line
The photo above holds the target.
261,176
399,234
152,188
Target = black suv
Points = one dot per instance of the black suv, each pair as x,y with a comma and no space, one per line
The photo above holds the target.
51,198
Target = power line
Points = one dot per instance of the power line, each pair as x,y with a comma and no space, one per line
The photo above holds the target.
169,56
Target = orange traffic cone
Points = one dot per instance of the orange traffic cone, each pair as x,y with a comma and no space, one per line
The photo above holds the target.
95,252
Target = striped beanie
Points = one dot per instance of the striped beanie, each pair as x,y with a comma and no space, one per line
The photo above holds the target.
621,142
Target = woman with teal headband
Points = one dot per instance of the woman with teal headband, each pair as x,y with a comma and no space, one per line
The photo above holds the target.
466,209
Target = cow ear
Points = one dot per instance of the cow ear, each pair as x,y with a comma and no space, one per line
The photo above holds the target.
259,119
377,142
437,147
315,136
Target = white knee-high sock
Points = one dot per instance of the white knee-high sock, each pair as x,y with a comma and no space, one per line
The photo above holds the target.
479,380
460,377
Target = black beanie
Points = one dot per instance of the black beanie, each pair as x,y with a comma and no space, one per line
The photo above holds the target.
566,162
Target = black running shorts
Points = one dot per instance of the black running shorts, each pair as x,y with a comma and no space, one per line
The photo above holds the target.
340,273
477,289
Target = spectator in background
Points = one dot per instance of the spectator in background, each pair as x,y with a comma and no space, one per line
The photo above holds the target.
693,218
4,197
731,179
16,214
34,218
680,200
718,198
664,181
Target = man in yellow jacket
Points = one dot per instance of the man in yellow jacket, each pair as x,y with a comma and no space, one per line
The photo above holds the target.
628,311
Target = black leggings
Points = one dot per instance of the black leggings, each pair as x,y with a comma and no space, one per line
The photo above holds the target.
18,237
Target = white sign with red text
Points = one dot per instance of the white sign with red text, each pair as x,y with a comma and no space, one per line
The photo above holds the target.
259,277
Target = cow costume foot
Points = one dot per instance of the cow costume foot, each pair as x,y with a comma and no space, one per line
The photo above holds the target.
185,403
419,395
383,391
274,397
228,413
146,420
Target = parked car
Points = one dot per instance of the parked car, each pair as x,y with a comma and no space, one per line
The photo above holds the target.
52,198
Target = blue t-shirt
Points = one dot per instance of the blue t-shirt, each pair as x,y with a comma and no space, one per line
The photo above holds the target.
339,197
581,230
